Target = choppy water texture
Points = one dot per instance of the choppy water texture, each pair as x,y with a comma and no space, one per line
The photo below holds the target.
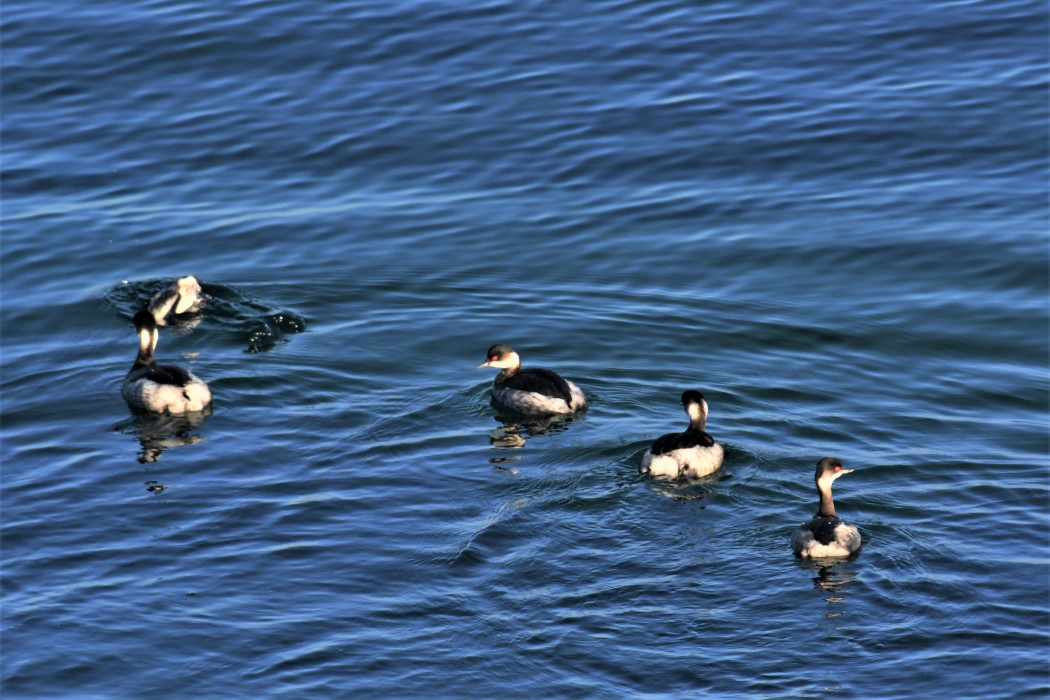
831,220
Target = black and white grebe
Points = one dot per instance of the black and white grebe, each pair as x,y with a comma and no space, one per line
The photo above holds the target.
826,535
183,296
691,453
159,388
532,390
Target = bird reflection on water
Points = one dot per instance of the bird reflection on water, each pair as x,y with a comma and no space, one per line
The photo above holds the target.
157,433
687,488
833,582
515,430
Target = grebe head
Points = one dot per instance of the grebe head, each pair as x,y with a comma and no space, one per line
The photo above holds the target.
501,356
144,320
829,469
696,407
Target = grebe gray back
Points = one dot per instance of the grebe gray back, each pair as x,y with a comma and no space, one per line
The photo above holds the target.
532,390
183,296
159,388
826,534
690,453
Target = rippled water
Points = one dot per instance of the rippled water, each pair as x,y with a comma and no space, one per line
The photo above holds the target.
831,220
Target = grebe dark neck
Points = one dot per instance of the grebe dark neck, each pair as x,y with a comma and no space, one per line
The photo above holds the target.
828,469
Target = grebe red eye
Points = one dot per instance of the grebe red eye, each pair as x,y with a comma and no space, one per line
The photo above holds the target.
838,467
493,358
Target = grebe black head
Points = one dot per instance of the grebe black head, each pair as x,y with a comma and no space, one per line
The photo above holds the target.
503,357
533,390
691,396
143,319
826,535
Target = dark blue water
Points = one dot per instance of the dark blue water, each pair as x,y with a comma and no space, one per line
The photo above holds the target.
832,220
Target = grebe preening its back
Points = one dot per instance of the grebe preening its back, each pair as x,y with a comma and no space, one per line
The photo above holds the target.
183,296
826,535
159,388
531,390
691,453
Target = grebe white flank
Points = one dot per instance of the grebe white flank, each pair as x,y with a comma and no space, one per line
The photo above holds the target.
532,390
826,535
158,388
691,453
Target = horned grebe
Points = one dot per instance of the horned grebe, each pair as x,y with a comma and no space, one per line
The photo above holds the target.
691,453
183,296
533,390
160,388
826,535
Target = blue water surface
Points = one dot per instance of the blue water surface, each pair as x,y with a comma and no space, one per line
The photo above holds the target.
830,218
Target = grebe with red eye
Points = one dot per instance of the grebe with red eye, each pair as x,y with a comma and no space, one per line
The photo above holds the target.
826,534
531,390
690,453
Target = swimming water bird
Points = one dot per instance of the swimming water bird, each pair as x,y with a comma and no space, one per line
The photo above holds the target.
160,388
183,296
691,453
826,535
532,390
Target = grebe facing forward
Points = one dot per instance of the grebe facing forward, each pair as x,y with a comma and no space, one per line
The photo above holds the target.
183,296
691,453
533,390
826,535
158,388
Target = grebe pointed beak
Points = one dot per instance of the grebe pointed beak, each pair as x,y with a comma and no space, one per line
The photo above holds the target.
484,364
